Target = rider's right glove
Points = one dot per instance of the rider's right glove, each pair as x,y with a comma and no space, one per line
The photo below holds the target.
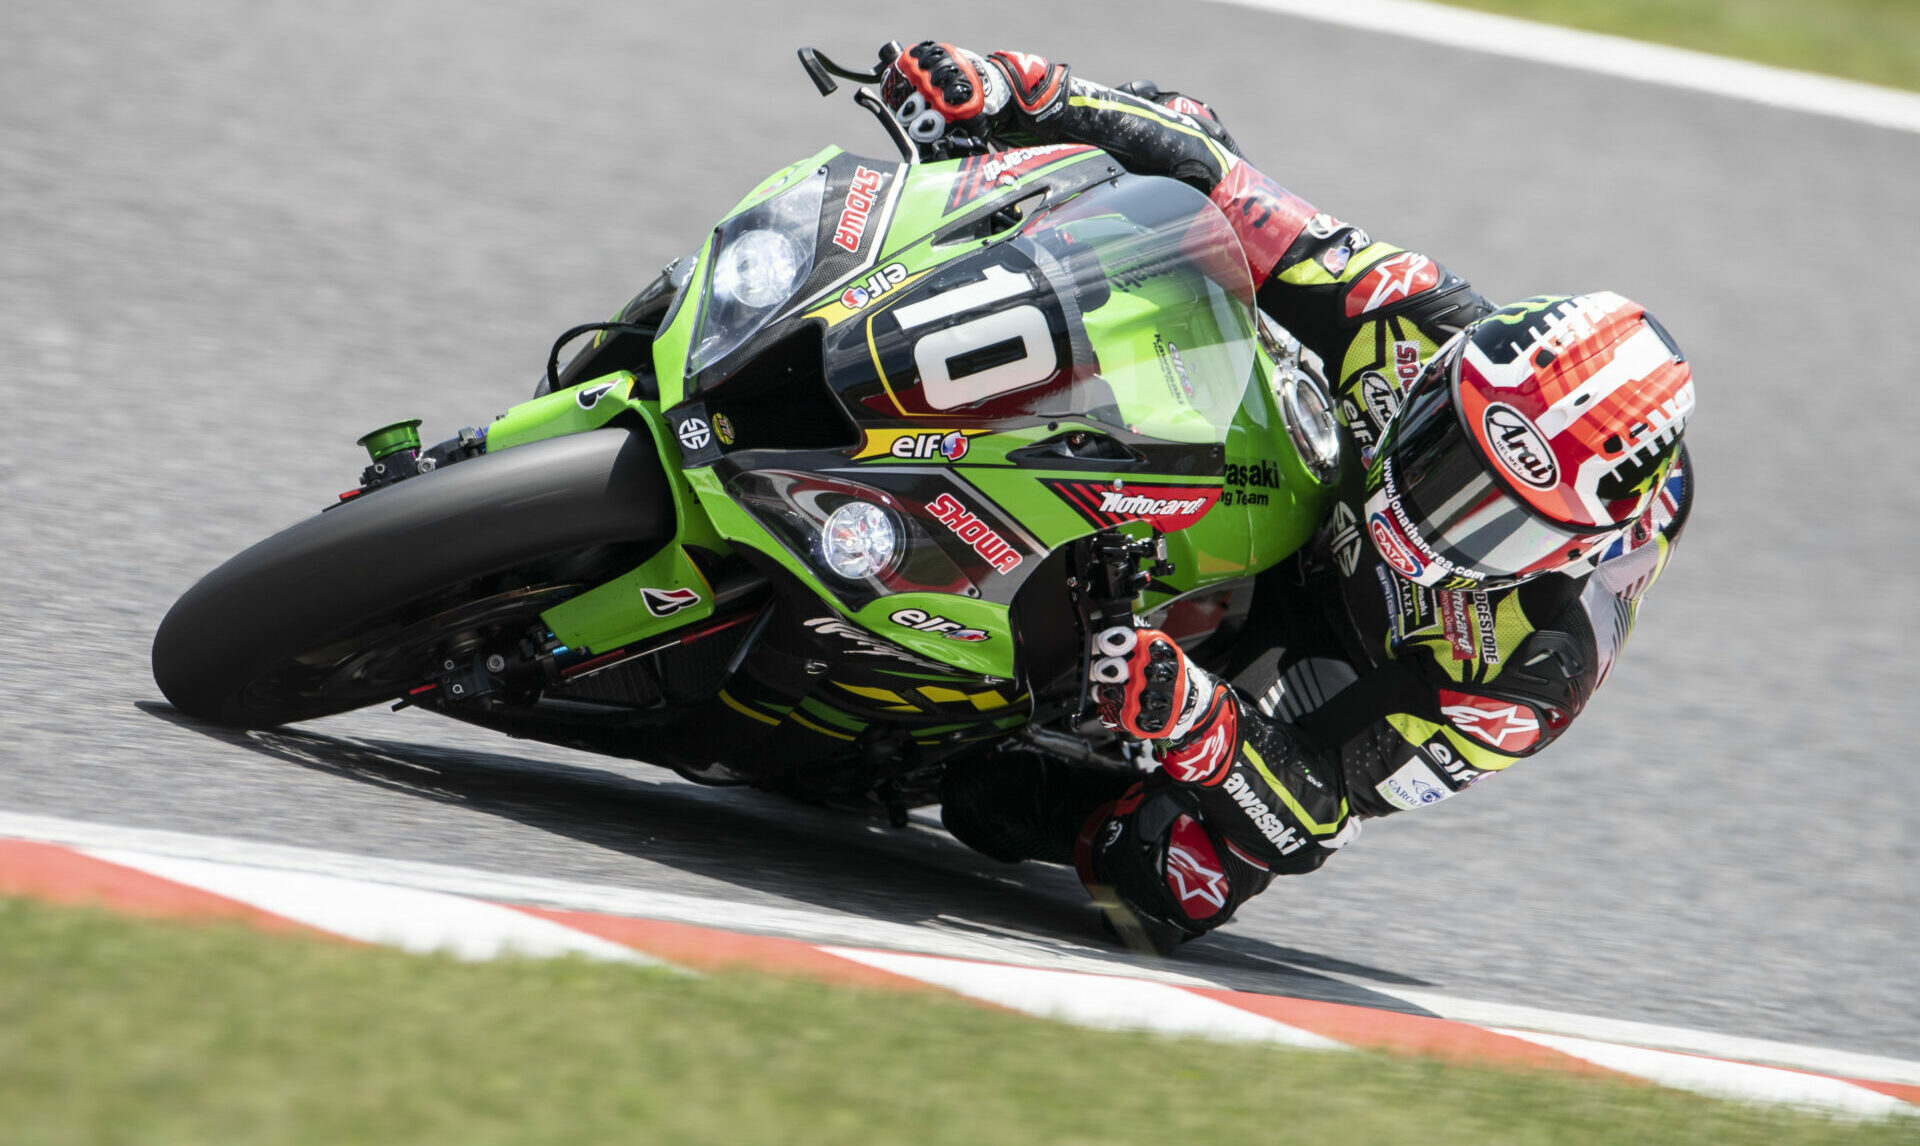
934,89
931,87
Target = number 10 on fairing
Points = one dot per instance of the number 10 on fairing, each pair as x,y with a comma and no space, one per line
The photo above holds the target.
996,353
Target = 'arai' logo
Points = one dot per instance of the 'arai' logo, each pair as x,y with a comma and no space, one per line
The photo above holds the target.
1519,448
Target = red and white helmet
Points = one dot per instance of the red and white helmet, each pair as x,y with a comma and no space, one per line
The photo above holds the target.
1529,443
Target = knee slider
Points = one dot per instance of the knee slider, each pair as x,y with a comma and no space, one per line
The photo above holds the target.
1155,855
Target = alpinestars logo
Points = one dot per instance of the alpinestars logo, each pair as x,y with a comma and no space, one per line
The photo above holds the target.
1194,872
1206,759
1032,68
667,602
859,204
1398,278
1505,725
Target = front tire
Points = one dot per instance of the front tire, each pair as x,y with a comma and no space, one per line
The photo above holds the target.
349,607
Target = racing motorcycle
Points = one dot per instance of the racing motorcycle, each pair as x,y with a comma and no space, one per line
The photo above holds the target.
832,503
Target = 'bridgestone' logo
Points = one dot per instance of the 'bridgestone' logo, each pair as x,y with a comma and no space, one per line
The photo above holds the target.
1117,502
1278,832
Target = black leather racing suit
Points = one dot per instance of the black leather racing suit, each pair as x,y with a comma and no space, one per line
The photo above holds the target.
1366,695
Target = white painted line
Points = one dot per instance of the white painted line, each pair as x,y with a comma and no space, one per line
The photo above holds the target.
1104,1001
414,920
1737,1080
831,927
1614,56
1847,1064
759,918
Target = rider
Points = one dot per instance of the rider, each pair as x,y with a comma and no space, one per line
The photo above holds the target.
1522,484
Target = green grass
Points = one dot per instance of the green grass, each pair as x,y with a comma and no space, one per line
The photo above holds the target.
1877,41
122,1031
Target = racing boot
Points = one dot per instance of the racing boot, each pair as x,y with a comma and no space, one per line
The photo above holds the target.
1017,806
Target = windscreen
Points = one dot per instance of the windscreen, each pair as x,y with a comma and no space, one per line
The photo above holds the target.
1127,305
1163,296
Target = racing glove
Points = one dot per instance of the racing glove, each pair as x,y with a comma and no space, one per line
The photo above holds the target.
1146,687
936,89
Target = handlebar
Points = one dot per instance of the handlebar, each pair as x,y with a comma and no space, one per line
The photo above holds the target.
821,71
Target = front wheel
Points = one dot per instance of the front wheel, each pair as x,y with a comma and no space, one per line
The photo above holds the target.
353,606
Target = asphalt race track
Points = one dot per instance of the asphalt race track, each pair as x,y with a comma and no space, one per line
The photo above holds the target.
234,236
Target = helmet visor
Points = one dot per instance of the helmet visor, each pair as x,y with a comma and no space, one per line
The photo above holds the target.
1462,521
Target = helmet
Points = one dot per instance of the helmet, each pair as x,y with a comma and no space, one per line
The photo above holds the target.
1529,443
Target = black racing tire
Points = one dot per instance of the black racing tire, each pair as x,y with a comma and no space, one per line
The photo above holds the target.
350,607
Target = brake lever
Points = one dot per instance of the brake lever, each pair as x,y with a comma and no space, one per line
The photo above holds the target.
822,69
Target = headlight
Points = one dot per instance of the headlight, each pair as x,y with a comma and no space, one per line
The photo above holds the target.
759,269
1309,416
858,540
759,258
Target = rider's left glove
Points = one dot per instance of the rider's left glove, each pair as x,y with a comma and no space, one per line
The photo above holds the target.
932,87
1146,687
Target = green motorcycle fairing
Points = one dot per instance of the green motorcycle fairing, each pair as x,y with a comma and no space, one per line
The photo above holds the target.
1006,353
